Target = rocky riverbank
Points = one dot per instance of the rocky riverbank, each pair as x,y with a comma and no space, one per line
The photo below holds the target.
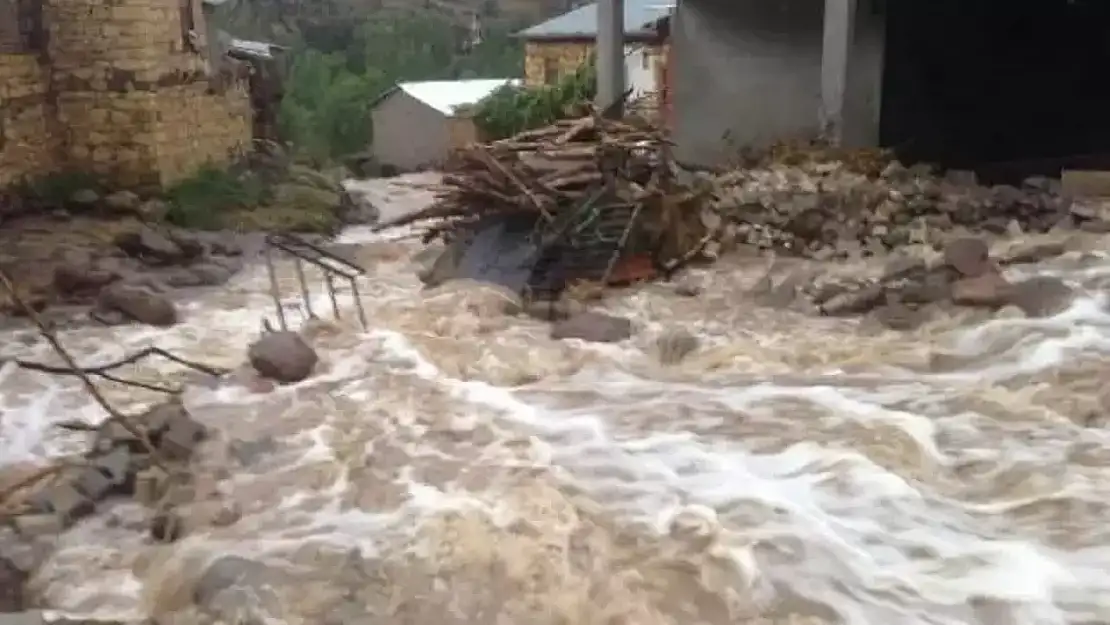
120,253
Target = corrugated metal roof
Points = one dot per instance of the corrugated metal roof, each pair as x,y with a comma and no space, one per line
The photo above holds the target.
445,95
253,49
639,15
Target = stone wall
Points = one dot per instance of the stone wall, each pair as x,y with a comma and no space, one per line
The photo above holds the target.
122,95
545,61
24,115
196,127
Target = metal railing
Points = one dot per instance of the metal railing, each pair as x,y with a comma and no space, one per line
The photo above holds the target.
333,267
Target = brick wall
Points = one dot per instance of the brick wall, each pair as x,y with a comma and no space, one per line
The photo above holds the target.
122,95
24,114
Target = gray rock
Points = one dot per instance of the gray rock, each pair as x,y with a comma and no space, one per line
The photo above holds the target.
123,202
153,210
968,255
989,290
900,317
674,346
1042,296
593,327
84,198
283,356
139,304
1033,252
150,247
903,266
81,277
853,302
201,274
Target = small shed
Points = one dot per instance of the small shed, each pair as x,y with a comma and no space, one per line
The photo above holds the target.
417,124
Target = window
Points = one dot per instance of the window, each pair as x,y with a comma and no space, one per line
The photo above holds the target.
20,26
550,71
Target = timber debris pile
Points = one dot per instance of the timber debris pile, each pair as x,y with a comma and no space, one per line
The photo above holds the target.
595,189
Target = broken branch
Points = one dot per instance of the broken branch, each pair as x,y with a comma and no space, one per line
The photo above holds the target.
73,369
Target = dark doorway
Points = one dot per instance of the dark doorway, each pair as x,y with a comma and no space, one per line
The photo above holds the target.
1007,88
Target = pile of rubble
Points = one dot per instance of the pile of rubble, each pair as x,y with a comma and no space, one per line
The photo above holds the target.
914,286
830,209
118,463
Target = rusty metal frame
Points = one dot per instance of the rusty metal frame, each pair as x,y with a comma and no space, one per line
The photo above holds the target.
333,267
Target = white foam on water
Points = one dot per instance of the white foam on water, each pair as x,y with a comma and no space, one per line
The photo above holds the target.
824,519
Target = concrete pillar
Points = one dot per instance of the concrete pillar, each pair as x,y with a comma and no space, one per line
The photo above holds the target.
836,52
610,55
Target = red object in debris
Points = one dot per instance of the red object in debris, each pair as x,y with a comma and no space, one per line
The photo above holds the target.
633,269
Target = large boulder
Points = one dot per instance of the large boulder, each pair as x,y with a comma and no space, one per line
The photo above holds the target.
1042,296
150,247
968,255
138,303
283,356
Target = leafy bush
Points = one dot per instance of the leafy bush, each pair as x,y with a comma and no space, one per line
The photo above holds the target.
204,199
337,71
512,109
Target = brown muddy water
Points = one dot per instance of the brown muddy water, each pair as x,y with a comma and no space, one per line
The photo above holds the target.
453,464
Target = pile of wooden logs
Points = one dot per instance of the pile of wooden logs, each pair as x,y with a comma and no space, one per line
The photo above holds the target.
555,172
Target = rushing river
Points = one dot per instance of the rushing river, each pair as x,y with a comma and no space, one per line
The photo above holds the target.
453,464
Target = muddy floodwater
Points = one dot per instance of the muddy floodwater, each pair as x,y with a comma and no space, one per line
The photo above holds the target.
453,464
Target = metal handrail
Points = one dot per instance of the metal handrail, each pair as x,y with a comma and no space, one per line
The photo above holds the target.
304,251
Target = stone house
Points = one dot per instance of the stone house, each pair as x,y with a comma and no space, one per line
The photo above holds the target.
562,44
418,124
122,90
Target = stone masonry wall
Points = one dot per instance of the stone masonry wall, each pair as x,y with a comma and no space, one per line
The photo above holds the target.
24,112
542,58
119,94
134,97
195,127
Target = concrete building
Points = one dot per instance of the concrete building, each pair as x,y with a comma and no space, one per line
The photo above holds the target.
120,90
418,124
562,44
1000,86
780,67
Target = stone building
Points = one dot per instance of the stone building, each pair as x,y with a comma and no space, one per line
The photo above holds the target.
121,90
562,44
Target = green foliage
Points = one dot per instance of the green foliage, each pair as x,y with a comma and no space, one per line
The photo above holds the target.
512,109
58,189
326,109
204,199
336,70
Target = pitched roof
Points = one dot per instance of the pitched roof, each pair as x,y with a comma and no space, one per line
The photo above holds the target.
639,17
445,95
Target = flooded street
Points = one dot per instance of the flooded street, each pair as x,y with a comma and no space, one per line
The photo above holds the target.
453,464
